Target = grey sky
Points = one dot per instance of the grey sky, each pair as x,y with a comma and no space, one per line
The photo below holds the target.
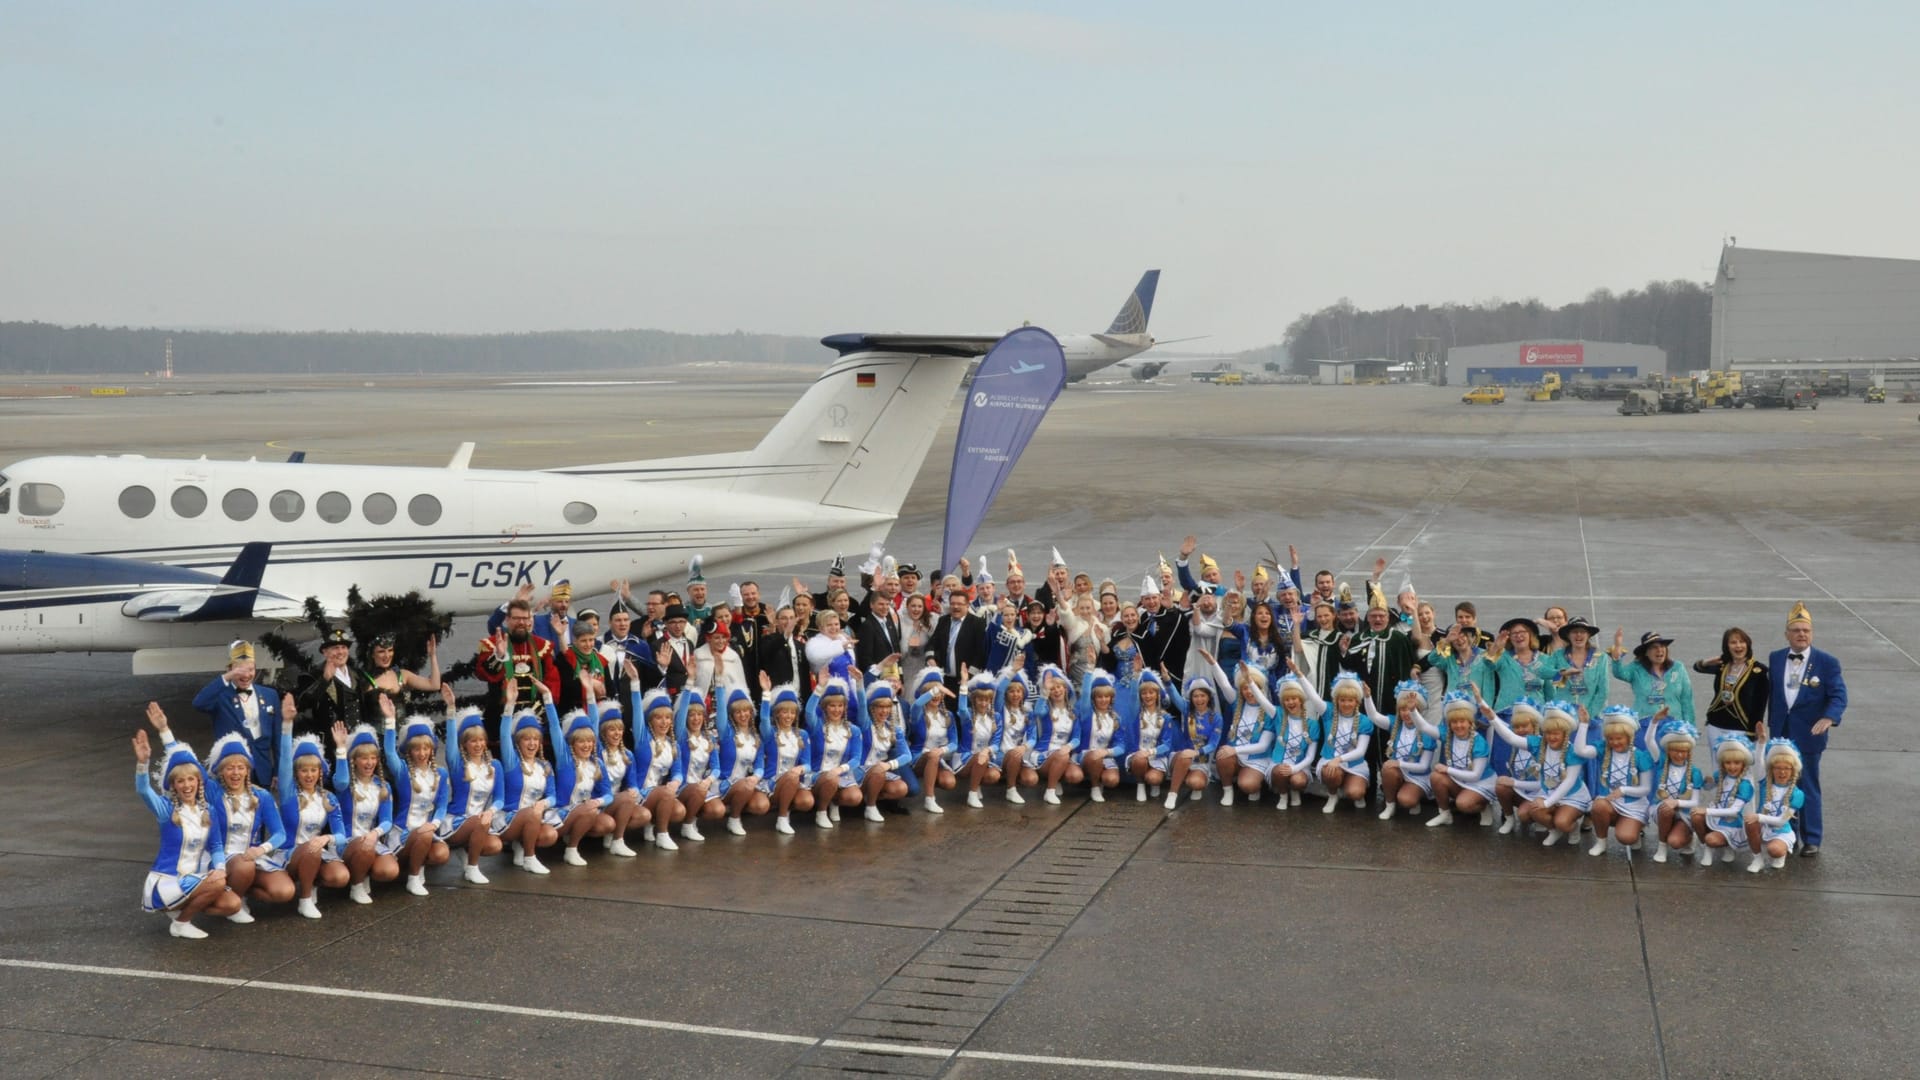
857,164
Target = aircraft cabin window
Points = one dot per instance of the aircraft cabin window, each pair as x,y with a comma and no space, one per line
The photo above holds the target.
41,500
6,494
333,507
189,501
378,508
137,501
240,504
424,509
287,505
579,513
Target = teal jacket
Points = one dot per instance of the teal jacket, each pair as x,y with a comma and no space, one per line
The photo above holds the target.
1673,690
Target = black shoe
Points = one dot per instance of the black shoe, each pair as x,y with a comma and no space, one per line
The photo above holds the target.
1810,851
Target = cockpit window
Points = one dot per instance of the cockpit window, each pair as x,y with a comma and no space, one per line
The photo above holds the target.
41,500
6,494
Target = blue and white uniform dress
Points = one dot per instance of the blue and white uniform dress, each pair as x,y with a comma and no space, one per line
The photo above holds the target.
1523,753
978,732
306,816
1015,734
782,751
1099,731
1562,778
1625,775
1143,727
1199,732
241,822
1252,734
184,831
428,790
1467,762
1726,808
838,744
367,804
930,727
1412,749
887,745
1775,809
576,781
473,787
745,767
1346,736
526,782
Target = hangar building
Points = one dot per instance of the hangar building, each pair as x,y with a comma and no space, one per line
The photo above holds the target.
1796,312
1520,362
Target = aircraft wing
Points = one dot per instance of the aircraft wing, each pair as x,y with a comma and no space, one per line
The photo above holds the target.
237,595
918,344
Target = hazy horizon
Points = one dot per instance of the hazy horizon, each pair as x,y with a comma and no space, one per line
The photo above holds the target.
873,165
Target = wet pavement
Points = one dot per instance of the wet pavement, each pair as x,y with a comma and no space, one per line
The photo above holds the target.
1084,940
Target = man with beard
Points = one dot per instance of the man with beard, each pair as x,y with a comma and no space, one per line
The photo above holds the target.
515,652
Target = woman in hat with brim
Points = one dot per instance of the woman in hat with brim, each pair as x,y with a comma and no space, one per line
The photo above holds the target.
1657,681
1719,820
1525,670
183,882
1583,679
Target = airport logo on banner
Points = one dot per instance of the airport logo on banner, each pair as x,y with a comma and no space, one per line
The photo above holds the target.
1554,355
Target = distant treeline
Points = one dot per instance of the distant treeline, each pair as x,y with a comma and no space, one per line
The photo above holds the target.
1675,315
42,348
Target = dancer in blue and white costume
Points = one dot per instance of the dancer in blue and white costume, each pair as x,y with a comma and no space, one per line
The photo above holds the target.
838,751
740,788
980,735
1463,777
1564,797
476,790
366,798
1296,744
933,736
1149,710
1100,738
1676,788
1406,776
183,881
623,777
706,748
786,757
1776,801
1626,778
1518,780
1189,744
660,767
311,816
1015,746
250,840
528,789
1343,751
1245,755
582,783
1719,821
1056,734
887,771
420,827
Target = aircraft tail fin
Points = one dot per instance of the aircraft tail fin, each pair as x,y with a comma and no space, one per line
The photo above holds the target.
1134,314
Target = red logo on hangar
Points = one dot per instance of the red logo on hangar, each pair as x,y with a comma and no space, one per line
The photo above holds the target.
1552,355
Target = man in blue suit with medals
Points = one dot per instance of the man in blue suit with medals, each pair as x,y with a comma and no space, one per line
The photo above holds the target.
235,704
1809,700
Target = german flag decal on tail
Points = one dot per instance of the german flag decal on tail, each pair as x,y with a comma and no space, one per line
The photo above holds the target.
864,379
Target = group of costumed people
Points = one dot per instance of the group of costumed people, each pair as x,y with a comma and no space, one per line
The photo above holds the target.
696,709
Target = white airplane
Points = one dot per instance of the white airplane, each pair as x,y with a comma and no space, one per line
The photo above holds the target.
1085,353
167,558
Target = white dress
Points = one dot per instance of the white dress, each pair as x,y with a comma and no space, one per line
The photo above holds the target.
164,891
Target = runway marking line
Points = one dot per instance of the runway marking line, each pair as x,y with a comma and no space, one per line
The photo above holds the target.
662,1025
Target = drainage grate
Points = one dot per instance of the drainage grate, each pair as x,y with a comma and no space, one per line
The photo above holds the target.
918,1018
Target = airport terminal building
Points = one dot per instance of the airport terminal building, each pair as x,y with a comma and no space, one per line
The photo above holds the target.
1798,312
1521,362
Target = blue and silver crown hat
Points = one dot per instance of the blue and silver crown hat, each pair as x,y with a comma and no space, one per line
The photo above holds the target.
180,756
1017,676
655,698
469,717
526,719
1675,731
1735,743
611,710
1619,716
1405,687
1199,682
1559,714
1297,683
363,736
1783,748
927,677
1457,701
735,695
1347,681
835,687
417,727
233,745
1150,677
1100,679
309,746
575,722
1531,706
983,681
880,691
786,695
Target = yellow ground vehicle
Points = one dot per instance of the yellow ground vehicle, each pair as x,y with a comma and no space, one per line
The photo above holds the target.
1720,388
1485,395
1876,395
1547,389
1231,378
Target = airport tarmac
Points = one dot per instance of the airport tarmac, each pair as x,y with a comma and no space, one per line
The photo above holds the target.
1080,939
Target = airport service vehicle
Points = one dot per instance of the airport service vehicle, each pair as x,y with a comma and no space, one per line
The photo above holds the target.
1679,398
1547,389
1640,402
1720,388
169,558
1778,393
1231,378
1484,395
1876,395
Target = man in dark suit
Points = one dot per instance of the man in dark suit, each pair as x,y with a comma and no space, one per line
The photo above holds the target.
1809,699
235,704
781,657
673,652
877,632
959,638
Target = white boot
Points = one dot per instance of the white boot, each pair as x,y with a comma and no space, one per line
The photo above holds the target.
873,814
1014,796
1173,799
1154,791
974,800
736,826
691,831
1284,801
471,871
1554,836
1706,855
1444,817
822,820
417,883
1385,815
619,847
933,806
1599,846
1778,862
1360,803
1486,815
1508,824
363,892
834,812
664,840
1333,801
1660,853
783,825
1295,798
1097,793
1051,797
1226,794
647,836
572,857
1194,796
243,916
1139,793
519,854
1755,864
533,865
185,929
308,908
